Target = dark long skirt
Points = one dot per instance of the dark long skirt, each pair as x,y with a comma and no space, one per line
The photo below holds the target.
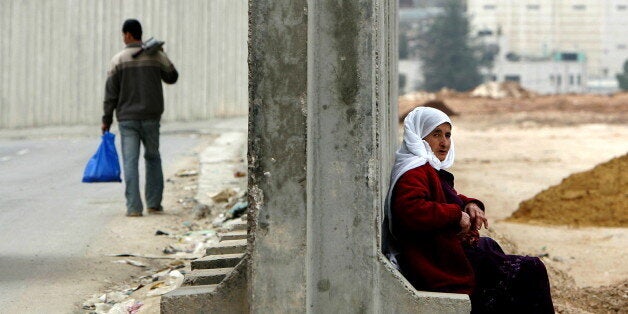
507,283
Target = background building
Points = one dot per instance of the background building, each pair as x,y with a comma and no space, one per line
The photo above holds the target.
543,29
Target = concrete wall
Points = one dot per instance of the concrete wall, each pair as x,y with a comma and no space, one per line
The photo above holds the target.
323,77
277,153
55,53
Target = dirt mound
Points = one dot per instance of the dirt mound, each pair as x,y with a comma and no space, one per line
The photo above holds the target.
598,197
436,103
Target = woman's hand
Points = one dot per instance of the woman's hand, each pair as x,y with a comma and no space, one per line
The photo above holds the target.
476,216
465,223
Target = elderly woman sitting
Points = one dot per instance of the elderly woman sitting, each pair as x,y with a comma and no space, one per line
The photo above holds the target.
431,231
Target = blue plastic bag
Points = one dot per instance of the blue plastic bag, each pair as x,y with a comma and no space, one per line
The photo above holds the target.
104,166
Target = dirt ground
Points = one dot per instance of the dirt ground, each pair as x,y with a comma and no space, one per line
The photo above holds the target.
138,235
508,150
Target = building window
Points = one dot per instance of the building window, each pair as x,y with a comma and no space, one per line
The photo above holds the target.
533,7
490,7
621,7
559,80
579,7
569,56
552,78
579,80
485,32
512,78
571,79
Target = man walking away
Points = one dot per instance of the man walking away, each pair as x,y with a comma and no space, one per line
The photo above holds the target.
135,92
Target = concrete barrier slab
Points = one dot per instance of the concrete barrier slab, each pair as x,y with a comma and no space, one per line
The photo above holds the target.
206,276
227,247
217,261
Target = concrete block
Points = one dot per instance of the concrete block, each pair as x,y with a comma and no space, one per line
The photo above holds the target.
189,290
217,261
235,224
230,296
233,235
206,276
227,247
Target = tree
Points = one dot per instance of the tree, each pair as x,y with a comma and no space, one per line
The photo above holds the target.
403,46
447,56
622,78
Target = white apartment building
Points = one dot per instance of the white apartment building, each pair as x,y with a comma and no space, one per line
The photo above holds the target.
541,28
560,73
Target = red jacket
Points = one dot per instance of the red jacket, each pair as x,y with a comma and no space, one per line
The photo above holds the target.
426,234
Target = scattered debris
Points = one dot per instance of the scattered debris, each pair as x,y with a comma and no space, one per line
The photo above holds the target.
239,174
130,262
127,307
148,256
218,221
169,250
237,210
224,195
102,307
186,173
159,232
187,202
172,281
134,308
201,211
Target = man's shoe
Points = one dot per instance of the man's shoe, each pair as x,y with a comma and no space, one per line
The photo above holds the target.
134,214
156,211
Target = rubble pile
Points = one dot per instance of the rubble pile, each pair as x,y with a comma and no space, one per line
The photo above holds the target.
499,90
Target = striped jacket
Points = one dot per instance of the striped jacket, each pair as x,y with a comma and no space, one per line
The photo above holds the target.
133,86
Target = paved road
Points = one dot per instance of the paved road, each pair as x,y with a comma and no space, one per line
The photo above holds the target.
48,218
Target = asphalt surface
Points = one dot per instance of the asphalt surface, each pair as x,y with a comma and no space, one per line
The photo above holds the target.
48,217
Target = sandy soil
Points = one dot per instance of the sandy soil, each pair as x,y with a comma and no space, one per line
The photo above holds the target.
509,150
506,165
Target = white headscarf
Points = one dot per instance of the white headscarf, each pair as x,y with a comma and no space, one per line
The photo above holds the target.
414,151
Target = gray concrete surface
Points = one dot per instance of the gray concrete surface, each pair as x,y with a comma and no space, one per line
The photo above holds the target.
229,297
322,127
278,63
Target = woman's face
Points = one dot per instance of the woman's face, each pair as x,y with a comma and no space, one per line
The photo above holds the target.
440,140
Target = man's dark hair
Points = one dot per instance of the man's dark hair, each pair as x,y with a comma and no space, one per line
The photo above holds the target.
134,27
